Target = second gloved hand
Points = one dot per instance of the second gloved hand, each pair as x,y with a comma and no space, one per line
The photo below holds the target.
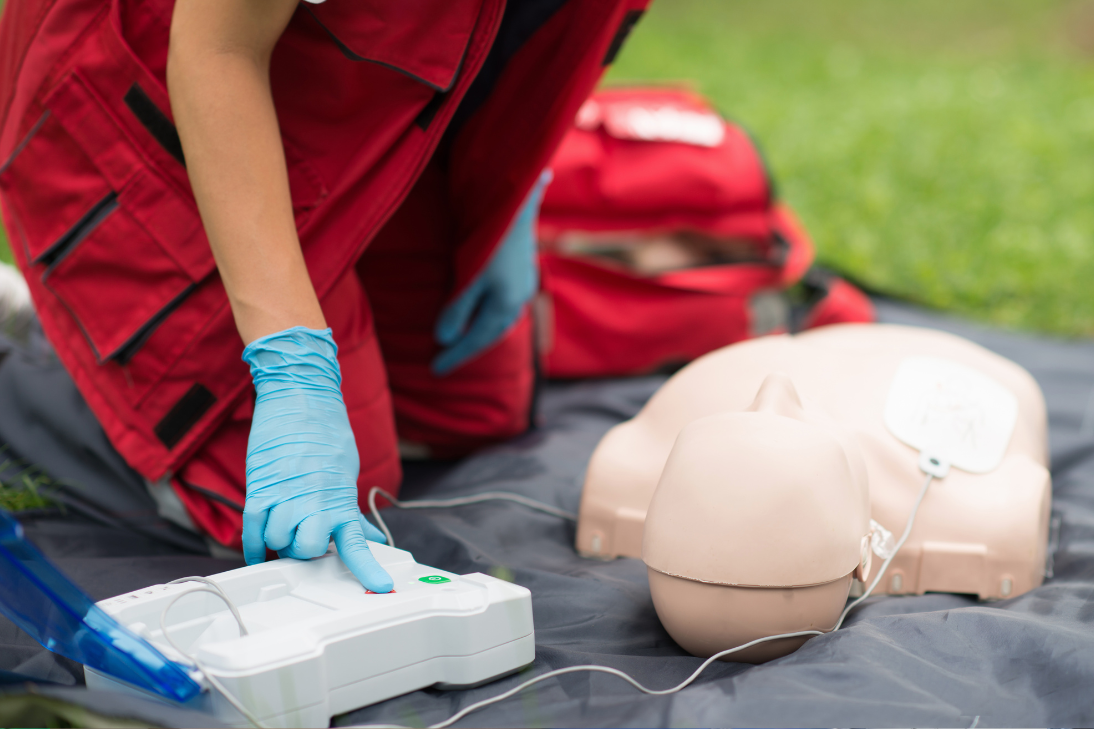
496,298
302,461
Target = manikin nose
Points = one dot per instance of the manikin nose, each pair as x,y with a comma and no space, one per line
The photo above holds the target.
777,395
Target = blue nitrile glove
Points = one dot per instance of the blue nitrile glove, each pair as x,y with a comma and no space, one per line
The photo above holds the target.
497,297
302,459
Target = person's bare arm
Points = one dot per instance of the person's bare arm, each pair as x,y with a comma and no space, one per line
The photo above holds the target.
219,82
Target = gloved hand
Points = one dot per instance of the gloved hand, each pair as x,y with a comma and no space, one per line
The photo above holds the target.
302,459
499,293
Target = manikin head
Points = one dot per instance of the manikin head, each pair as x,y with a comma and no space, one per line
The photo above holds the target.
759,523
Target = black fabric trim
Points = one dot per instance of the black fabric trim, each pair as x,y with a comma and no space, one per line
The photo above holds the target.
425,116
186,412
348,53
625,27
81,229
213,495
155,121
132,345
26,140
779,250
520,21
56,253
812,289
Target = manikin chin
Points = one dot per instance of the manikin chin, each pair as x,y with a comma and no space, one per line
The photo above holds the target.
756,481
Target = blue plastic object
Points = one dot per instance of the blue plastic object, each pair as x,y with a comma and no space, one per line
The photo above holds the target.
37,597
302,461
494,301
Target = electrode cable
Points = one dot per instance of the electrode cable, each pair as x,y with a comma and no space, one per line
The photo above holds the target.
459,501
213,589
538,506
695,674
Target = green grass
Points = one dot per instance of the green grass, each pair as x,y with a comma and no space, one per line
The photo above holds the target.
5,252
23,487
938,151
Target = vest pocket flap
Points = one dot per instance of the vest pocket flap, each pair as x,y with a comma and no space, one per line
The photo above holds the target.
129,247
425,39
84,116
161,209
99,276
48,214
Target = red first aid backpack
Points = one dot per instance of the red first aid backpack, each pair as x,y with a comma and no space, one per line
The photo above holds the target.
662,239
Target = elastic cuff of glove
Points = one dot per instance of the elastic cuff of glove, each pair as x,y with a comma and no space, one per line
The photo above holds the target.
291,349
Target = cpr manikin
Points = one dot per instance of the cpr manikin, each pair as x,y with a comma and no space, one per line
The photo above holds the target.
749,480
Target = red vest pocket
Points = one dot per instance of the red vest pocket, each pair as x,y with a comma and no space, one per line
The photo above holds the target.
425,39
117,244
115,280
49,214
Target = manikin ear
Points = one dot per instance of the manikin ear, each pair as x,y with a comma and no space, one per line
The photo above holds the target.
862,572
778,395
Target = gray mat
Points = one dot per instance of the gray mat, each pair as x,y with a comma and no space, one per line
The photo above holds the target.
935,660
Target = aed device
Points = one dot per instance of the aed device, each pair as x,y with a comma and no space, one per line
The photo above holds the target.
317,644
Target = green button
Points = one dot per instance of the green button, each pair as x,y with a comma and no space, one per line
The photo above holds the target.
434,579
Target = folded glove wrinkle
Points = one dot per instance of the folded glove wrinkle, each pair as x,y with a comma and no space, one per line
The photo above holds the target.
302,461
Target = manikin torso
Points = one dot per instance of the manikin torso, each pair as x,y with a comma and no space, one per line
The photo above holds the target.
978,533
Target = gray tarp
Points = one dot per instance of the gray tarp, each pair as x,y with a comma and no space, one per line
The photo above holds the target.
935,660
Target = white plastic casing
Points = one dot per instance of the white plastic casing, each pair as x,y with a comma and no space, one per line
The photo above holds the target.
320,645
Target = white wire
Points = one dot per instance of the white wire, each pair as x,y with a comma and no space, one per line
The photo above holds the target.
424,504
460,501
204,671
702,667
516,498
896,550
220,591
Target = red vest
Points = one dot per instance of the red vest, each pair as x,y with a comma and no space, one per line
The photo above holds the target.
103,223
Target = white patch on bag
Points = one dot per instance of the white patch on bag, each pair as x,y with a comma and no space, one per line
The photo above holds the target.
666,124
653,124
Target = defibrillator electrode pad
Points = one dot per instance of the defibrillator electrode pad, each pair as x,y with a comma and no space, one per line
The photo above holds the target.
951,412
318,644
